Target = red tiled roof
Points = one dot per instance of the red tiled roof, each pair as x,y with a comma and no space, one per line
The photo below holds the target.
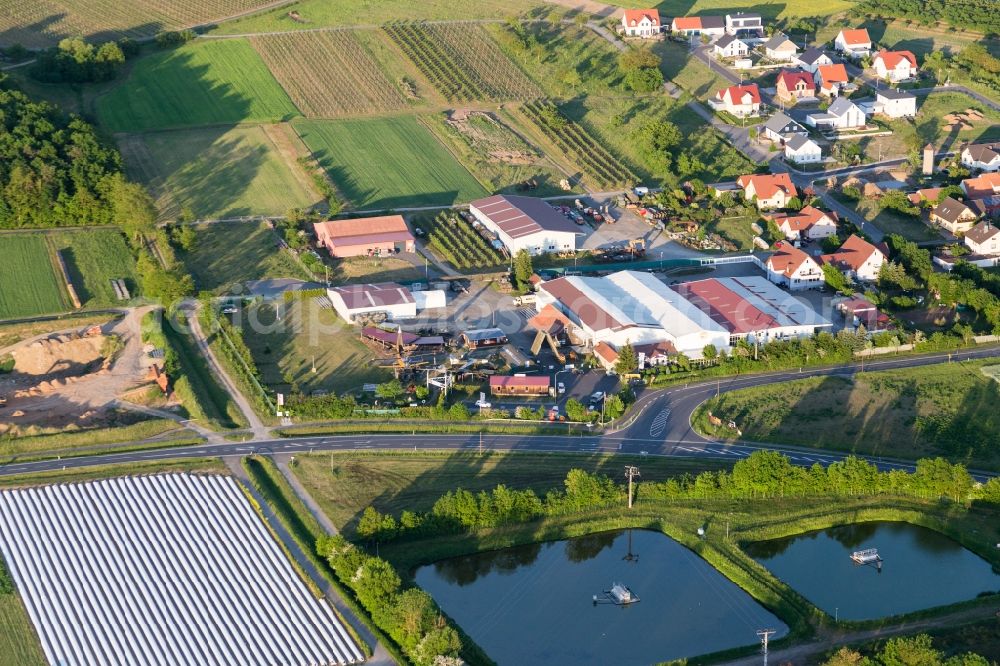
634,16
893,58
687,23
737,93
852,254
833,73
654,349
855,305
767,185
549,319
533,381
791,77
606,352
856,36
725,307
925,194
982,186
806,218
362,226
787,259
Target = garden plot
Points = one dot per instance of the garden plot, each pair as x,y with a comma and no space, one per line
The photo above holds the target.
167,569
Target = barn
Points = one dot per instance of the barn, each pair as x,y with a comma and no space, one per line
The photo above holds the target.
364,236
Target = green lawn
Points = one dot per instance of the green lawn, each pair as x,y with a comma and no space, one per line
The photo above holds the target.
19,644
310,334
229,253
947,409
929,126
93,258
201,83
216,172
691,74
345,483
29,283
890,221
899,35
318,13
771,10
388,163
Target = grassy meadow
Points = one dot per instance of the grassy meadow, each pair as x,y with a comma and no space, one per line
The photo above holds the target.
947,409
201,83
384,163
29,282
217,172
771,10
229,253
93,258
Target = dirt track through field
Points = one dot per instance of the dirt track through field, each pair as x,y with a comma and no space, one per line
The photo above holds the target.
290,147
141,165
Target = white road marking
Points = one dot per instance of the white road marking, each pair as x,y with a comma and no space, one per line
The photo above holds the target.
659,423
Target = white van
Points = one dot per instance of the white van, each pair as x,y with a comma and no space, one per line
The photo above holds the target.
527,299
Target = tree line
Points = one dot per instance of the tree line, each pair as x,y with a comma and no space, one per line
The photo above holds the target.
762,475
916,650
976,15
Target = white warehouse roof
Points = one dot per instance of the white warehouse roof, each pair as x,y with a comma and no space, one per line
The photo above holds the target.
173,569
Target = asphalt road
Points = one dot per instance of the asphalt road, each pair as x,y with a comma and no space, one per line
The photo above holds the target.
660,426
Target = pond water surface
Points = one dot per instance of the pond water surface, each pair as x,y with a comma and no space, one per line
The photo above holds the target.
921,569
533,604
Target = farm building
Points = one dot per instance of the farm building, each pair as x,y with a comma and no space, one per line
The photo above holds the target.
525,223
483,337
631,307
390,339
392,300
364,236
162,569
641,23
519,385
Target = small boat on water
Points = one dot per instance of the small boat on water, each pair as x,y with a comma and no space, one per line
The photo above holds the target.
619,594
866,556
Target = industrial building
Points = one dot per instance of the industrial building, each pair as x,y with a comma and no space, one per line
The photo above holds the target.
364,236
525,223
392,300
636,308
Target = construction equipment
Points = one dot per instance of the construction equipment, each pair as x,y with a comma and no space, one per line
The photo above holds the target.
637,247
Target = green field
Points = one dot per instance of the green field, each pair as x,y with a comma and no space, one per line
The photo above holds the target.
229,253
93,258
29,283
889,221
310,336
388,163
345,483
769,10
202,83
19,644
946,409
216,172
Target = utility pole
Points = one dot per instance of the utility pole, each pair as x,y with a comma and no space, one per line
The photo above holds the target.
765,635
631,472
480,442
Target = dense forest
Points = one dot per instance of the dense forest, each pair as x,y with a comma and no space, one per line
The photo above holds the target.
977,15
54,169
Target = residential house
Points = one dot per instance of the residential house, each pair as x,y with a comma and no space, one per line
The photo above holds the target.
771,190
953,215
808,224
925,194
895,65
795,84
780,47
729,46
895,103
811,59
857,258
842,114
741,101
981,156
982,187
803,150
793,268
643,23
745,26
860,311
853,43
983,239
713,26
779,128
831,79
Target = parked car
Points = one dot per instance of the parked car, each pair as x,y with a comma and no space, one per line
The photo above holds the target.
596,397
561,388
417,231
229,309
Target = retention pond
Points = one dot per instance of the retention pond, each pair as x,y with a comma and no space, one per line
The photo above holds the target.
534,604
920,569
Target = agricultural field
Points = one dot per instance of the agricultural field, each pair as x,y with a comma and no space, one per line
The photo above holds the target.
899,35
42,23
217,173
328,74
311,14
457,242
947,409
93,258
310,334
227,254
462,61
19,644
599,166
387,163
496,154
31,283
346,483
201,83
766,8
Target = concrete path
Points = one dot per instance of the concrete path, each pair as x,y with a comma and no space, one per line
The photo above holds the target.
380,656
282,460
209,435
260,431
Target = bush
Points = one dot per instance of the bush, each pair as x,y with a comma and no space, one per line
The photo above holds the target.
174,38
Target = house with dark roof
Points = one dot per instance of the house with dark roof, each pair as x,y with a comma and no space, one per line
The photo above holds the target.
811,59
983,239
780,47
803,150
842,114
745,26
895,103
982,156
953,215
526,223
780,128
730,46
